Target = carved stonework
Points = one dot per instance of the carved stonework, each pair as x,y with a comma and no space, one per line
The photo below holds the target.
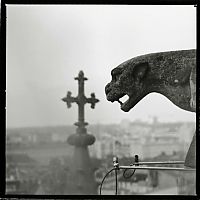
82,172
172,74
167,73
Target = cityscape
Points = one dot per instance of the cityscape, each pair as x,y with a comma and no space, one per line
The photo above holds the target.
34,153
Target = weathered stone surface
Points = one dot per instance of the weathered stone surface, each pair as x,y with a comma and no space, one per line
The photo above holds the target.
190,160
167,73
172,74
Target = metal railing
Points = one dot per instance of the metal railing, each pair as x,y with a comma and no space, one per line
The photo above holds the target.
137,165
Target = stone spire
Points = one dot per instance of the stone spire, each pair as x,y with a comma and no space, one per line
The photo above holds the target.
82,175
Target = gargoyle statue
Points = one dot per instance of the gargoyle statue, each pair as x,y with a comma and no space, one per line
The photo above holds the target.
172,74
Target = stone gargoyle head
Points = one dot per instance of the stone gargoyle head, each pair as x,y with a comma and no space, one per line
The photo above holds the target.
167,73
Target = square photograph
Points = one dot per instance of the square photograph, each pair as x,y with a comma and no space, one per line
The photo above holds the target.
100,99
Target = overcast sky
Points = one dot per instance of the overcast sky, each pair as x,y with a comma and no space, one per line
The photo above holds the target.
48,45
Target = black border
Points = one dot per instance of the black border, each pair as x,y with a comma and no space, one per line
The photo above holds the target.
3,98
135,2
3,95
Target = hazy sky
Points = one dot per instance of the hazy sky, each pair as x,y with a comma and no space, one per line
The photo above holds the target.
48,45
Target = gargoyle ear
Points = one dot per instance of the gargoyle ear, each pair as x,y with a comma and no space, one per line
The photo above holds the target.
140,70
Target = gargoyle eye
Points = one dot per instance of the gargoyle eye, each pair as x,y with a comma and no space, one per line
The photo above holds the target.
115,77
115,74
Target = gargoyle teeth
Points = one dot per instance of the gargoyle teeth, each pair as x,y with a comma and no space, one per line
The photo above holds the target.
123,99
120,102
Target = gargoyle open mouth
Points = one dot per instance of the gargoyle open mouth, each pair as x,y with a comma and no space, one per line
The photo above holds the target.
126,102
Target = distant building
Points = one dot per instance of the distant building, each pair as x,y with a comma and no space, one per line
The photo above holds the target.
14,139
158,144
12,185
58,137
146,140
103,147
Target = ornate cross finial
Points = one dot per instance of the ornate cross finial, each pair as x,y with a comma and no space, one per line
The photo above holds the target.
81,100
82,171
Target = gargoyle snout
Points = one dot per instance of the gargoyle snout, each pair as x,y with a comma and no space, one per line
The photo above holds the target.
107,88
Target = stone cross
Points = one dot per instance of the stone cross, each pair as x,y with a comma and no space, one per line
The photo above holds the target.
82,173
81,100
